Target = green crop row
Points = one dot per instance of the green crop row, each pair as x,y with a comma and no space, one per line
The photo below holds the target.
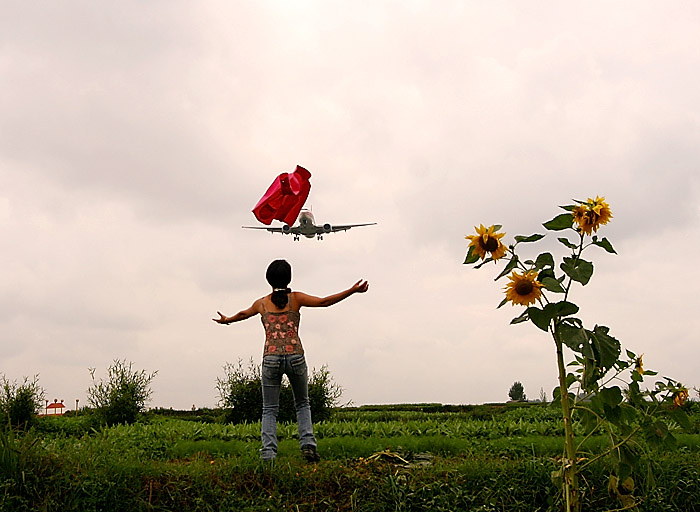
379,460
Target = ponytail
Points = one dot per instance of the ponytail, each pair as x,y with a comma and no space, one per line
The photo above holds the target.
280,297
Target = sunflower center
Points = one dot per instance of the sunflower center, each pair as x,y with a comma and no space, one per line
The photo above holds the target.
491,244
523,288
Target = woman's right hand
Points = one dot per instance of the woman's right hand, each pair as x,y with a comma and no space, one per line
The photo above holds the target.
221,320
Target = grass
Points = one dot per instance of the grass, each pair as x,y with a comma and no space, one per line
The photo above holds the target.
382,459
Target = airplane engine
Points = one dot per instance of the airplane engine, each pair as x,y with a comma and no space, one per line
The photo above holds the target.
327,228
286,228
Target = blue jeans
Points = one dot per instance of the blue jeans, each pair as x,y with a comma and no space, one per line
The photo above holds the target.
273,367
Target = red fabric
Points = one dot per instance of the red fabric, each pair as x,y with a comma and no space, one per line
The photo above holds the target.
285,197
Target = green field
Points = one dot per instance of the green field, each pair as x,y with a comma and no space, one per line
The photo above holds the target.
384,458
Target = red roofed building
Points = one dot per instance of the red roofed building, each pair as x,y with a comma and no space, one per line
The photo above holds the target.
55,408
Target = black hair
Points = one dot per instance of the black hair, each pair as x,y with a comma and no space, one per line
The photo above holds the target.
279,275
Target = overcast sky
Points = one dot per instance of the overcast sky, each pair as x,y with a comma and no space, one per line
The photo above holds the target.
136,137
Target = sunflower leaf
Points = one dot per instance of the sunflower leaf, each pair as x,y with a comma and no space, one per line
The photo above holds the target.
552,285
472,257
531,238
544,260
568,207
681,417
577,269
605,244
510,266
562,308
539,317
572,336
520,319
503,303
567,243
563,221
606,348
612,396
487,260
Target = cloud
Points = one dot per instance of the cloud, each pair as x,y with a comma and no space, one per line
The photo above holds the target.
137,140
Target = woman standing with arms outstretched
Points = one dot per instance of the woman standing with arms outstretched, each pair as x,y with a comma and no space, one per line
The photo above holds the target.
284,354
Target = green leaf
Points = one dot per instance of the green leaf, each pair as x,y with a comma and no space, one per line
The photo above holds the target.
569,207
607,348
503,303
681,417
563,221
562,308
589,420
487,260
552,285
605,244
472,257
510,266
635,395
520,319
655,432
544,260
567,243
531,238
611,396
572,336
577,269
539,317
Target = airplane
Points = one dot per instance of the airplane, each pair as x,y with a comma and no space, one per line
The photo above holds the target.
308,227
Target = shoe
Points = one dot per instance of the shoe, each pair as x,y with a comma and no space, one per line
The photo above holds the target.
310,454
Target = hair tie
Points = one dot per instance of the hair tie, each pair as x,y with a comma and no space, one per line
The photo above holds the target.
281,290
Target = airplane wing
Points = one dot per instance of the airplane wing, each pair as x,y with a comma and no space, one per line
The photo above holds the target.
285,230
345,227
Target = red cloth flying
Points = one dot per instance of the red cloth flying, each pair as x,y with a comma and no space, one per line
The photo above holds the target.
285,197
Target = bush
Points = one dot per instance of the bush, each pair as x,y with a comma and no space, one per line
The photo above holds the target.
20,403
123,396
240,393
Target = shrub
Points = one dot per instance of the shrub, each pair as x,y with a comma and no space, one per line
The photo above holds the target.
123,396
240,393
20,403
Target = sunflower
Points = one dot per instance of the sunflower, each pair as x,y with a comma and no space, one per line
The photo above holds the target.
680,397
638,365
523,289
487,240
591,215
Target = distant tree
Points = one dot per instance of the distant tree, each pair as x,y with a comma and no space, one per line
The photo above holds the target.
517,392
543,396
20,403
123,396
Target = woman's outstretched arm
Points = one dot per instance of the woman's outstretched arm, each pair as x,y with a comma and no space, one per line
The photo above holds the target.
241,315
310,301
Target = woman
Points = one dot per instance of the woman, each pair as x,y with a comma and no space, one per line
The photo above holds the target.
284,354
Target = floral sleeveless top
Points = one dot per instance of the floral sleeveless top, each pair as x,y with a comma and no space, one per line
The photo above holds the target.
282,333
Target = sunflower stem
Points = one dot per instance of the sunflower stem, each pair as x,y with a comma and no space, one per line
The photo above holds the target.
569,469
